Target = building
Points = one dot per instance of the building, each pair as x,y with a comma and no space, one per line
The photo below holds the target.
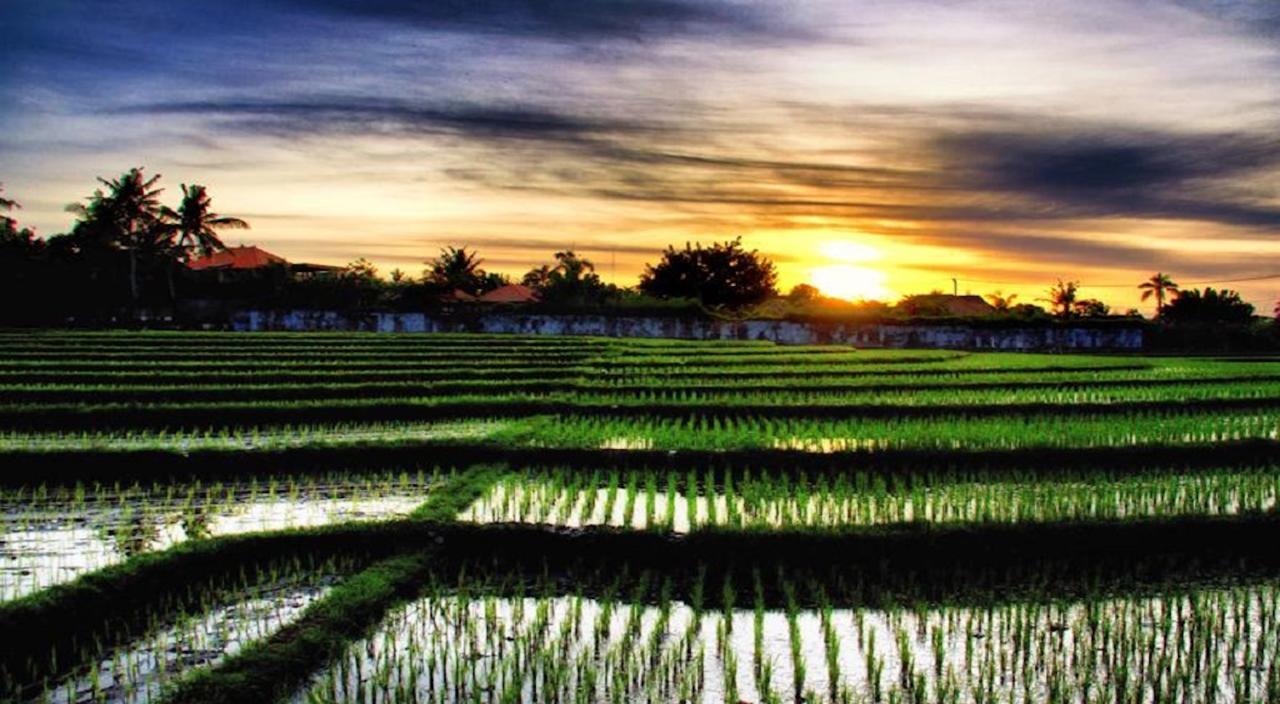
946,305
248,260
511,293
243,258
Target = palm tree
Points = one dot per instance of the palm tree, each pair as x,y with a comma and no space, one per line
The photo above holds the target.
129,216
1062,296
6,205
456,268
193,229
538,277
1159,285
1001,302
197,225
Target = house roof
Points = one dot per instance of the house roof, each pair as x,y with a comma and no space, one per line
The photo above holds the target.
967,305
245,257
511,293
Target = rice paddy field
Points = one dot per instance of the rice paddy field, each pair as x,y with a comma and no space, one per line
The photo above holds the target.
334,517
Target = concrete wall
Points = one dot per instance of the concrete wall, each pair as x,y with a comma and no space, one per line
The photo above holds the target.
863,335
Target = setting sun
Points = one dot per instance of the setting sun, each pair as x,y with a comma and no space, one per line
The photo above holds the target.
849,279
851,282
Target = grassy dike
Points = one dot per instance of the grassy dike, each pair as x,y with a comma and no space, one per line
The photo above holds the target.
270,670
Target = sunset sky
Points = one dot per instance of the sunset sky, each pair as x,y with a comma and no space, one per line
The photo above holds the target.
879,147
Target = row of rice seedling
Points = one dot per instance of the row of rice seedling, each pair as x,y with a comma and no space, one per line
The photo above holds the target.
50,535
886,360
293,375
467,645
1035,402
920,391
958,379
906,396
335,435
715,433
1235,396
956,433
210,621
764,500
132,382
319,337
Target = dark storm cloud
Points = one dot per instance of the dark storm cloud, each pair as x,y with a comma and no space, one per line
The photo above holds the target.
1114,173
358,115
1014,168
553,18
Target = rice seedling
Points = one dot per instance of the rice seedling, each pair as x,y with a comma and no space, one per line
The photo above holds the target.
762,500
486,644
50,535
743,444
211,621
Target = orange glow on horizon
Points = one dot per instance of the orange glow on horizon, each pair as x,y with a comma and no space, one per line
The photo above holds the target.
852,283
850,279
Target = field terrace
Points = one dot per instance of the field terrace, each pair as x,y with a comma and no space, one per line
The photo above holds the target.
213,517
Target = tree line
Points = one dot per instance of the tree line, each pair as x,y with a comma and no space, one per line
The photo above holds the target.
128,252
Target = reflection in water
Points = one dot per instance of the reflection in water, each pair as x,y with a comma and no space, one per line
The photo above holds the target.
52,537
1207,646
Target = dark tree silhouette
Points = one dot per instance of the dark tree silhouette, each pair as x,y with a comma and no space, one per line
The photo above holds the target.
722,274
1159,286
538,277
129,217
1001,302
7,205
804,293
1090,308
1210,306
197,225
457,269
1062,296
571,280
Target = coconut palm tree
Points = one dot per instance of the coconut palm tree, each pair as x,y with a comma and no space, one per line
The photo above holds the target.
538,277
6,205
1001,302
456,268
128,216
1062,296
196,225
1159,285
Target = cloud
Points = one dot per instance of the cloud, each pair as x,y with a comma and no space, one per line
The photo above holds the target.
1100,171
360,115
569,19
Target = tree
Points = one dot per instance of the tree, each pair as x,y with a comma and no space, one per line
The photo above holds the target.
573,279
1159,286
7,224
1062,296
457,269
197,225
1090,308
538,277
1001,302
128,217
1193,306
361,270
804,293
722,274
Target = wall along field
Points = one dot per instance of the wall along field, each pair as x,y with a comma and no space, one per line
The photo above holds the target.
194,517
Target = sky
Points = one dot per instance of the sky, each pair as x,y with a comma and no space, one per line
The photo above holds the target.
875,147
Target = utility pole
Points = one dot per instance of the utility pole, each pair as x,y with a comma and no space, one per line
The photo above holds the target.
955,287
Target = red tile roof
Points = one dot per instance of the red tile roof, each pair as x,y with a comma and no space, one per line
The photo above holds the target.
511,293
248,257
